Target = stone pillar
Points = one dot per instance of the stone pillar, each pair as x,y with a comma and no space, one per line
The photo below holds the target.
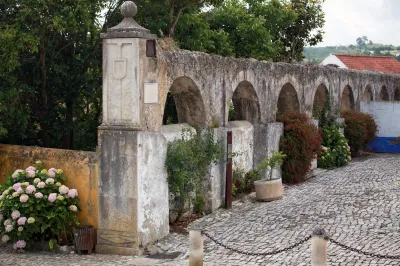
215,181
319,243
133,191
267,137
196,252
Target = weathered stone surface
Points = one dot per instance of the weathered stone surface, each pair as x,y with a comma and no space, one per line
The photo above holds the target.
215,182
173,132
132,161
242,144
153,207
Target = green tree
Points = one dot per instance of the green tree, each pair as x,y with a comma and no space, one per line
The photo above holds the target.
49,78
306,30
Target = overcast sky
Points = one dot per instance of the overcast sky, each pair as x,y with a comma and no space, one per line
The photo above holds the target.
346,20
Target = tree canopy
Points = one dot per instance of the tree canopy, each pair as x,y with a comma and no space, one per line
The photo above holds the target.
50,76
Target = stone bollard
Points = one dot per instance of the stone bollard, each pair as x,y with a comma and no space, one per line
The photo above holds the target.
319,242
195,247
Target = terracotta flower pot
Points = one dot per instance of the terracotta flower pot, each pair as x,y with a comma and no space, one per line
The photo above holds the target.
269,190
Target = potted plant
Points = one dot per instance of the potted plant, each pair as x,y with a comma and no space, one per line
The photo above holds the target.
270,189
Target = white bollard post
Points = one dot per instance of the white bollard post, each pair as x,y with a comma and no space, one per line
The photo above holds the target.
195,247
319,243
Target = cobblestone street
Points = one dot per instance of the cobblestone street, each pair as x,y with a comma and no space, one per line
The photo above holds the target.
358,205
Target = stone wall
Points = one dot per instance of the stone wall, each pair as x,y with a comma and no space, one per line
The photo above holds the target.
80,168
214,181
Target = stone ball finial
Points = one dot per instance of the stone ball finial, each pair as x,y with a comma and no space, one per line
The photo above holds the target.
128,9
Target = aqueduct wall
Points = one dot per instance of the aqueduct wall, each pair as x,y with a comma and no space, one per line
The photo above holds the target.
137,75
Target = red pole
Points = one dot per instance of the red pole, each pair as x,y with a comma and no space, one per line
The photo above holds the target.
228,192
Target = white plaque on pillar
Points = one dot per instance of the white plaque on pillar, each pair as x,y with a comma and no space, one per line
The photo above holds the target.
151,93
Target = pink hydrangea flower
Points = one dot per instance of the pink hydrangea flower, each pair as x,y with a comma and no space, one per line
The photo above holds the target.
30,168
23,198
63,189
36,180
9,228
41,184
51,173
20,190
52,197
16,186
30,174
38,195
30,189
49,181
22,221
15,214
52,170
72,193
19,244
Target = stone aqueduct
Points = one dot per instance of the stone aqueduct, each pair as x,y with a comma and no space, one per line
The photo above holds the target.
137,75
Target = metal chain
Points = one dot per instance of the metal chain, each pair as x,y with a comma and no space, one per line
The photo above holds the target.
256,253
380,256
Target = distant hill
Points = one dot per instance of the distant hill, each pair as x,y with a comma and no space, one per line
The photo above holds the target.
363,47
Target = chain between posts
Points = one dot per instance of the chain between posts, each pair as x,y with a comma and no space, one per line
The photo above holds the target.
255,253
359,251
274,252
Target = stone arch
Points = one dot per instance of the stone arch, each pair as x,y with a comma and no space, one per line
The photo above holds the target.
384,94
245,102
397,94
288,99
347,100
368,95
188,101
320,97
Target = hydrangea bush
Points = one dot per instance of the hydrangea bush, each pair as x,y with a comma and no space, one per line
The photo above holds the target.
335,150
36,206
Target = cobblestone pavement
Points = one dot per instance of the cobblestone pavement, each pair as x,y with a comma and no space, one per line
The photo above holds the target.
357,205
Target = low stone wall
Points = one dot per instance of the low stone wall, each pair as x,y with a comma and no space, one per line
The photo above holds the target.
214,182
80,168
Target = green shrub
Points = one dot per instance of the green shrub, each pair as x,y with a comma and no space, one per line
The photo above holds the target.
188,163
35,206
335,149
301,143
360,129
238,182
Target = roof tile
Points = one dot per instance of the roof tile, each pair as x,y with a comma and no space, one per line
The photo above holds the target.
386,64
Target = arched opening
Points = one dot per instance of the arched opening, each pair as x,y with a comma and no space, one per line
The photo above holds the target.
368,95
245,103
288,99
397,94
184,104
320,98
347,101
384,94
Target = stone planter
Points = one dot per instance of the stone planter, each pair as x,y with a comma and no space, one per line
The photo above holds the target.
269,190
